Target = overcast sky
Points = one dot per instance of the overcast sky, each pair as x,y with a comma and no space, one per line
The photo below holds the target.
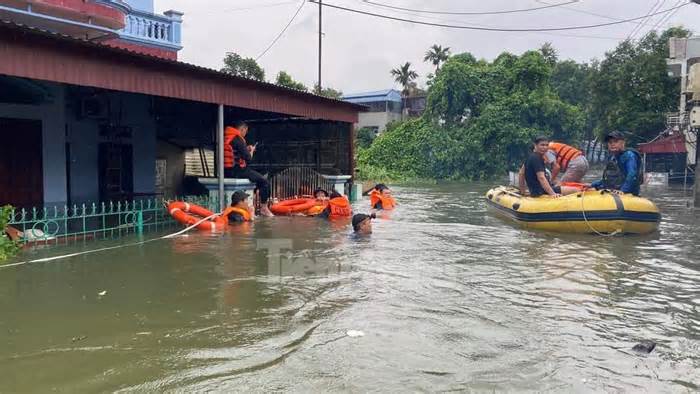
359,51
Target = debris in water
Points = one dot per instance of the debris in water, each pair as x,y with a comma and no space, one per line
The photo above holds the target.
644,347
80,338
355,333
102,293
144,333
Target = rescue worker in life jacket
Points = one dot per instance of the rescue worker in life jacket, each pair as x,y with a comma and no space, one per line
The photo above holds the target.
240,210
533,173
567,160
623,173
237,155
380,197
338,207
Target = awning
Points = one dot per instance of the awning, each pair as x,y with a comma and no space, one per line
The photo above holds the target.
672,144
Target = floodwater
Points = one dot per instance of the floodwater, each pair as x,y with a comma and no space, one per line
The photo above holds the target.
442,297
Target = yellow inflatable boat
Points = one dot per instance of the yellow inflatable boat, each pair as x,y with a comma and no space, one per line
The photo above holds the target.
593,211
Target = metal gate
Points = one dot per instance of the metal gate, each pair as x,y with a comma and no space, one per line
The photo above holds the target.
296,182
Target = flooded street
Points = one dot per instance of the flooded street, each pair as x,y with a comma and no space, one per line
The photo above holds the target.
443,296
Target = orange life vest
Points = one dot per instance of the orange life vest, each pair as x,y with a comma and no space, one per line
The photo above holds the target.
317,209
376,196
230,134
243,212
565,153
340,207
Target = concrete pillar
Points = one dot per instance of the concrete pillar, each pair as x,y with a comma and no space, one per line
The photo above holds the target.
697,179
220,158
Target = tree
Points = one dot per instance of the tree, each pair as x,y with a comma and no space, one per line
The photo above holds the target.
405,76
632,90
236,65
437,55
328,92
550,53
365,137
286,80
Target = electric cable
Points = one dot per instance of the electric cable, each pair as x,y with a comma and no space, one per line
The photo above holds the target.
494,29
303,2
653,8
469,13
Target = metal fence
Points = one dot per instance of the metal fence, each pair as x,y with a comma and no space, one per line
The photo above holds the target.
297,182
107,220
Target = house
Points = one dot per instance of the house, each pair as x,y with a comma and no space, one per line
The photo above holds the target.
91,119
383,107
668,155
128,24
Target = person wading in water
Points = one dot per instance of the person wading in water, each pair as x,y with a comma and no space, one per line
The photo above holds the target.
237,155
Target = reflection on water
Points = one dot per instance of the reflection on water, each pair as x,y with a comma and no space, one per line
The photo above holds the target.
448,297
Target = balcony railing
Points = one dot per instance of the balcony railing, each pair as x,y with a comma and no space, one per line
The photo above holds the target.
150,28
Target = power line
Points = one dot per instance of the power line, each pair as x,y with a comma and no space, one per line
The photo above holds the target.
469,13
493,28
653,8
667,17
442,20
572,9
282,32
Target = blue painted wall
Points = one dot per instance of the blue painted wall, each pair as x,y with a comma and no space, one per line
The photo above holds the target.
143,5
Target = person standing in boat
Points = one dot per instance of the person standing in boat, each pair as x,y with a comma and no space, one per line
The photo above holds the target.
569,161
623,173
237,155
534,173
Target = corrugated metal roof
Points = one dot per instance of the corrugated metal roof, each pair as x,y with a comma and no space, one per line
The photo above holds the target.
39,54
368,97
671,144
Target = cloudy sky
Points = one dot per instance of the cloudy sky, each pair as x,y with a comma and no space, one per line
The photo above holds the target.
360,50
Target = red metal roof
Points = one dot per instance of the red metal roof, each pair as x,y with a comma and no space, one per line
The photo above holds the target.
32,53
671,144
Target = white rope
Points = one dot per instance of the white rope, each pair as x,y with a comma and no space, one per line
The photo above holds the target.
585,218
65,256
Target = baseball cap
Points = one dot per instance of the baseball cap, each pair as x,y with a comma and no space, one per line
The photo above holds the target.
614,135
238,196
359,218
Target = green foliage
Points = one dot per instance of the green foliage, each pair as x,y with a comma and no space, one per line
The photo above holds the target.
550,54
404,75
8,248
632,91
286,80
328,92
236,65
479,121
437,55
365,137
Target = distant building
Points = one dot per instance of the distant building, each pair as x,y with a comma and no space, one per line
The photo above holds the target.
384,107
127,24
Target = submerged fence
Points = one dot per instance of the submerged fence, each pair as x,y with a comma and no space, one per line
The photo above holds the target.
96,221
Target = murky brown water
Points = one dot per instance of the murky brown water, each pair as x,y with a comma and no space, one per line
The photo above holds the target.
447,296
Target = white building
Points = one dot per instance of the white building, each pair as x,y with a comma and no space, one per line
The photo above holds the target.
384,107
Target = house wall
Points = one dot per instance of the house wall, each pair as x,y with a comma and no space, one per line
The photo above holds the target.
52,117
377,119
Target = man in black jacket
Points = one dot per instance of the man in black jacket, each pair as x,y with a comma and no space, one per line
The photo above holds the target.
242,155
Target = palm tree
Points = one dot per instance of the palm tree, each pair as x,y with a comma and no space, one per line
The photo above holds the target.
405,76
437,55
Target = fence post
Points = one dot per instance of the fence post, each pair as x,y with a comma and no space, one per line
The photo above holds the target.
139,223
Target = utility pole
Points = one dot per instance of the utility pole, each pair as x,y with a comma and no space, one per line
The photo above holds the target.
320,42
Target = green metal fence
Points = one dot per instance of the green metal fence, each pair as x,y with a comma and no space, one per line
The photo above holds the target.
107,220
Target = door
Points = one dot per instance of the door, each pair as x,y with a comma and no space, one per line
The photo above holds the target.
21,168
116,172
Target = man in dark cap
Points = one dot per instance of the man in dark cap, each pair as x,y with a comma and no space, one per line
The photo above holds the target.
362,224
240,210
623,173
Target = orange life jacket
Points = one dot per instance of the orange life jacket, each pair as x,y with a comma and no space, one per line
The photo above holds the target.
230,134
340,207
565,153
243,212
376,196
317,209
